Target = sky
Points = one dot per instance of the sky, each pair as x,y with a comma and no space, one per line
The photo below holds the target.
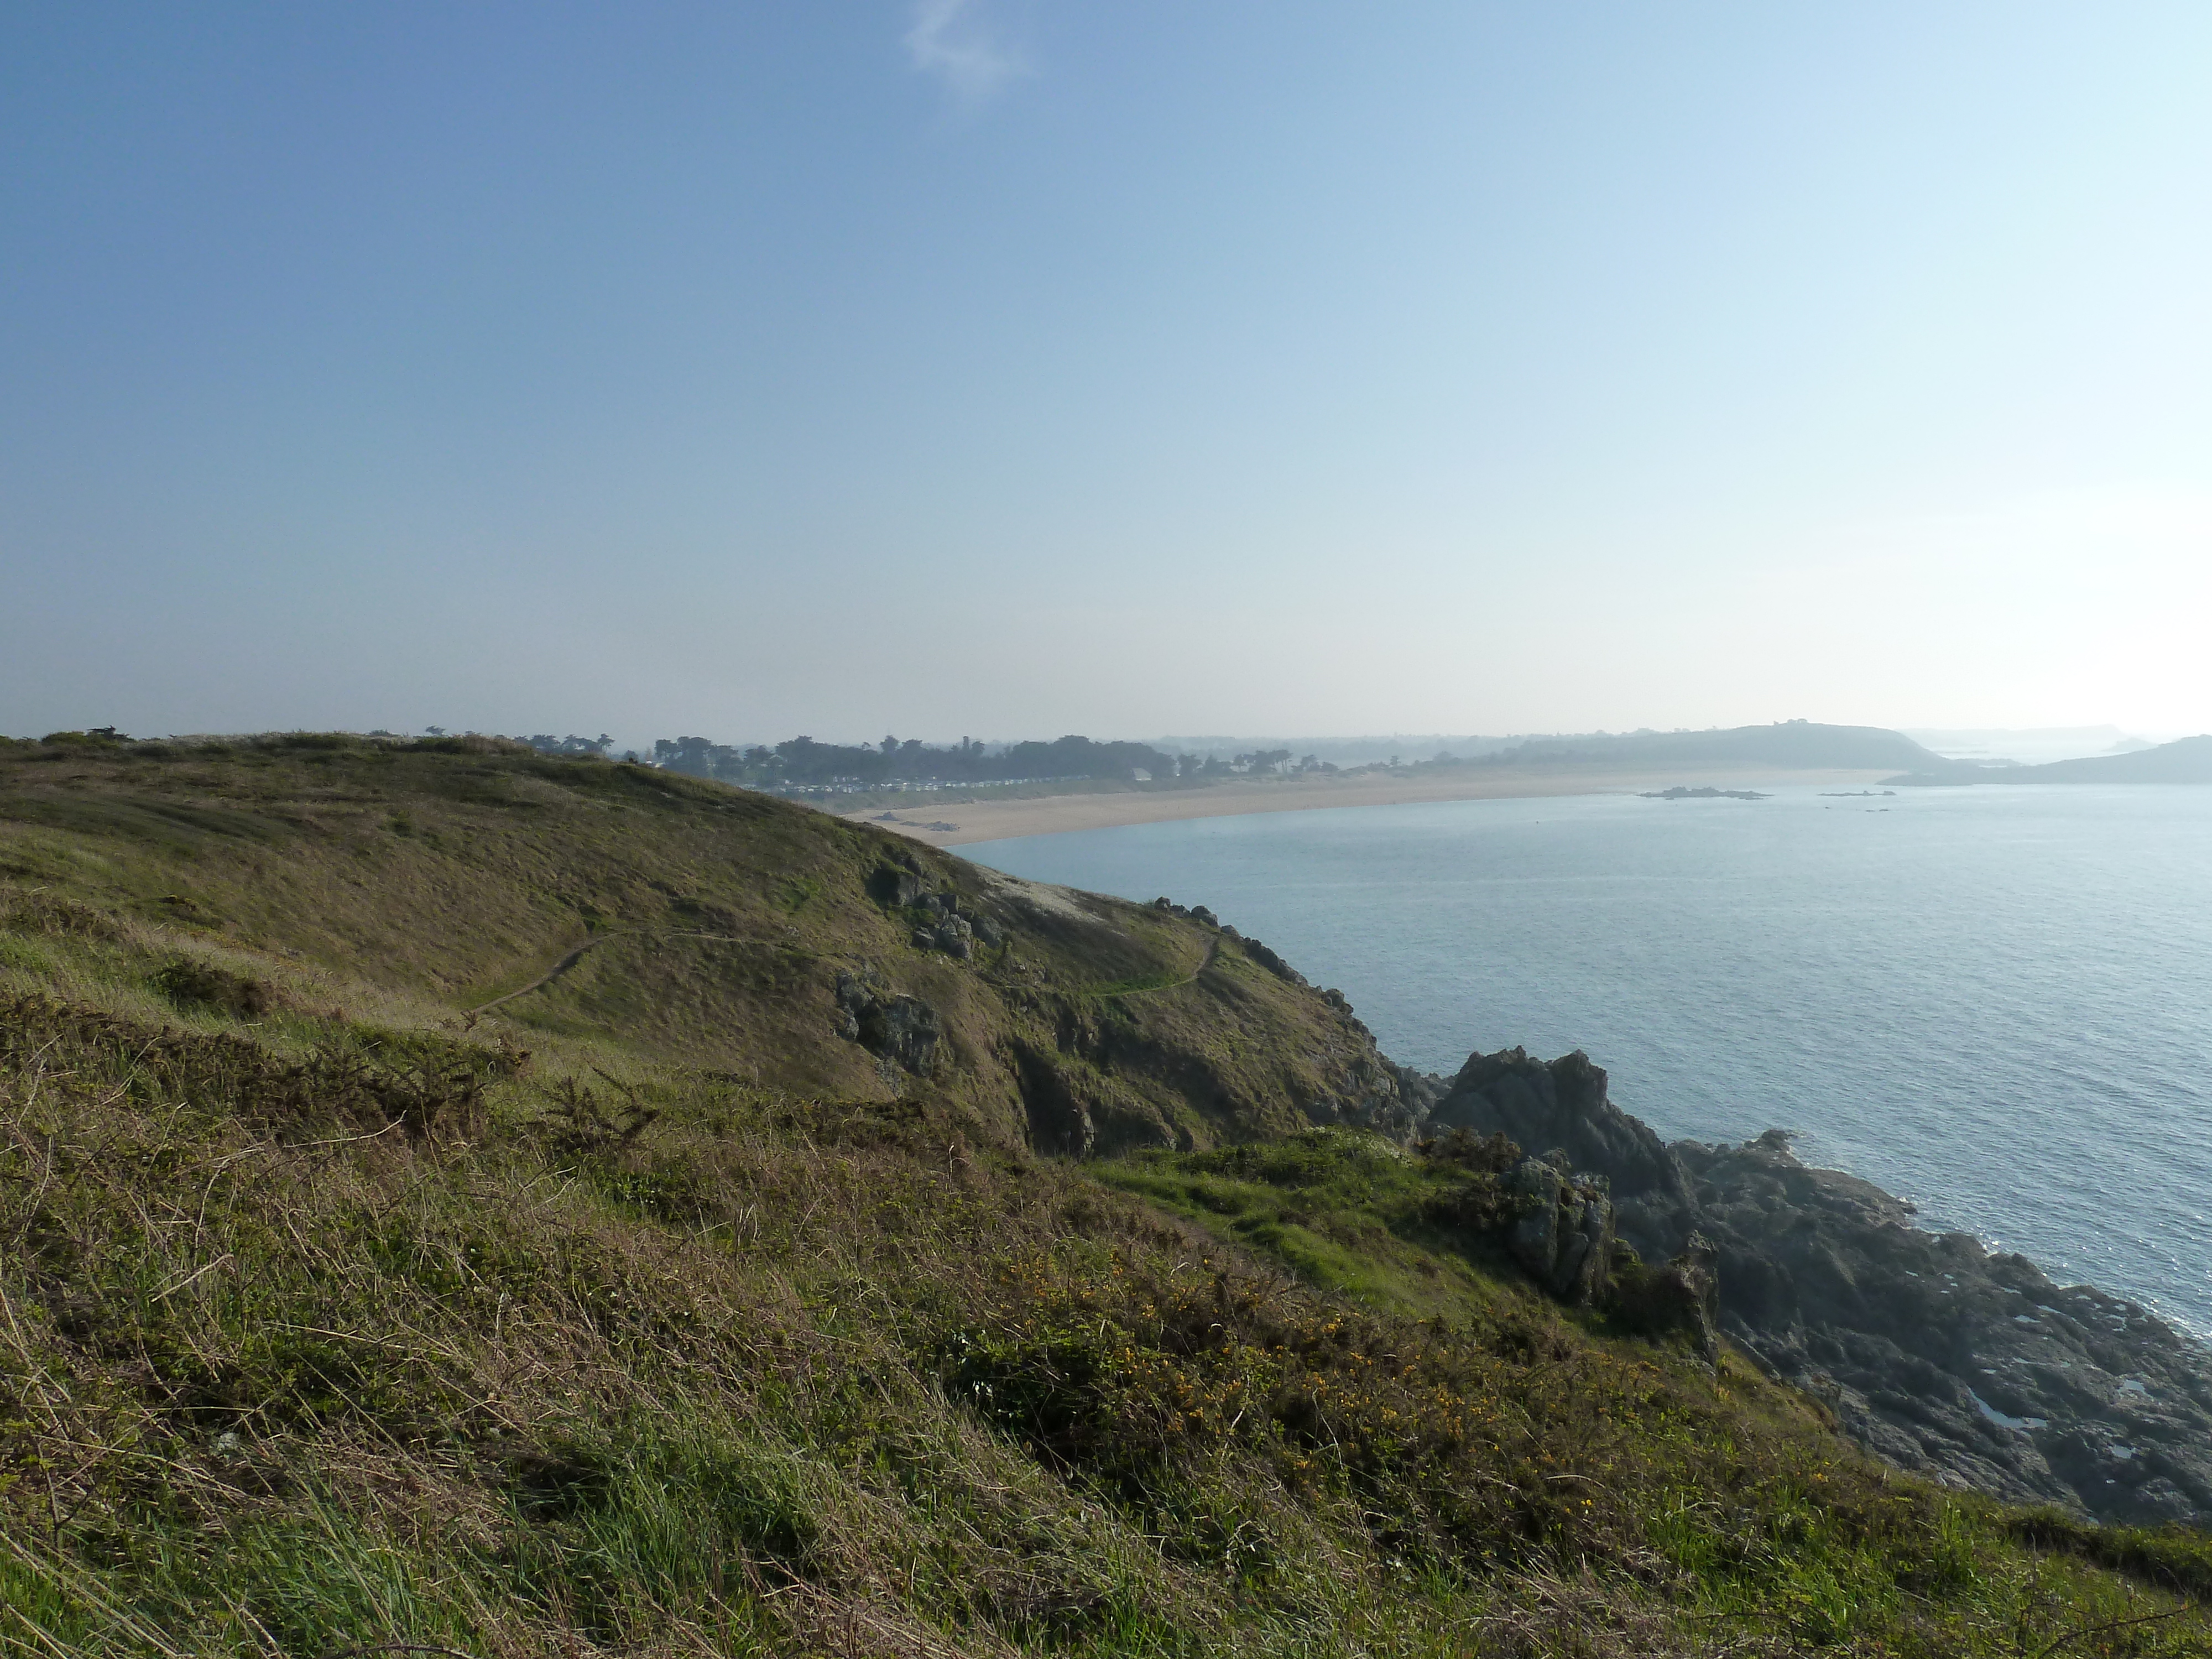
1016,366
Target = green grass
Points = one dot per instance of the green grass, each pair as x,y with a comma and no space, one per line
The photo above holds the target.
334,1323
287,847
1343,1210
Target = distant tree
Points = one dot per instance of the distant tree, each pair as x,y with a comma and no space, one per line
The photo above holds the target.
691,756
545,743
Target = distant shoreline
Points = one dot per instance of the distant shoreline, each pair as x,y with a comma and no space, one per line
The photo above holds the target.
944,824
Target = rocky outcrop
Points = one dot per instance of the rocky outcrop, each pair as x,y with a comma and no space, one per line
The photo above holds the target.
1681,1297
1563,1236
904,1030
1970,1367
1553,1223
1061,1119
941,920
1562,1103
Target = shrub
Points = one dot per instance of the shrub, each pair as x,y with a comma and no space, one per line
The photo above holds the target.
202,986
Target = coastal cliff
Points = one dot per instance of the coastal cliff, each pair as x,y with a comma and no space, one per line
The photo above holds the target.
472,1202
1939,1356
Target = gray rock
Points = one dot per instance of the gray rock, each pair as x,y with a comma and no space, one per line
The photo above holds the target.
1585,1255
894,887
1534,1239
1563,1104
902,1029
1934,1353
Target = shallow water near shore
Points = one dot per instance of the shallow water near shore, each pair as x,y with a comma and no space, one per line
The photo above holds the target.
1996,1002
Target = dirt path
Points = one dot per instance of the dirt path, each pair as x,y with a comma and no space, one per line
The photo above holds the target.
593,943
1212,949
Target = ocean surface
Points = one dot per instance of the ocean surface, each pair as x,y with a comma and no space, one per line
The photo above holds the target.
1996,1002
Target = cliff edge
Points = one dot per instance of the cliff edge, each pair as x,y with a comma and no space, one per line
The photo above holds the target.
1970,1366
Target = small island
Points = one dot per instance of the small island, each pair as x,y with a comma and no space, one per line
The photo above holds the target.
1705,792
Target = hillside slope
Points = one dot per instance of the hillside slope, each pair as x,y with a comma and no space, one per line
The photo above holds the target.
1794,744
720,925
711,1296
2186,760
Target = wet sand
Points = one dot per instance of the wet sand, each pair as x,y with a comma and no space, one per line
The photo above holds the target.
1052,815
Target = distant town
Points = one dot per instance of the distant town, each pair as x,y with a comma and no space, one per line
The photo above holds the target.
801,766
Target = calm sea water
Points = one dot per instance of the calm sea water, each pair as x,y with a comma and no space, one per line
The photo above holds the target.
1996,1002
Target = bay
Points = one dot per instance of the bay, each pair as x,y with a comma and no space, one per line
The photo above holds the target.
1996,1002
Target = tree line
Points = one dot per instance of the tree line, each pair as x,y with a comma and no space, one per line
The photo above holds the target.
801,761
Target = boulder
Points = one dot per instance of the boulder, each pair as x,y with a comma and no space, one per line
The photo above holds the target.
1534,1239
1562,1232
904,1030
1563,1104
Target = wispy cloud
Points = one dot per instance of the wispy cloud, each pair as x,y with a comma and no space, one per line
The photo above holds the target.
953,40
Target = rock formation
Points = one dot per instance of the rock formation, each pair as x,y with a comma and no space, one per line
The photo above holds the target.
1970,1367
904,1030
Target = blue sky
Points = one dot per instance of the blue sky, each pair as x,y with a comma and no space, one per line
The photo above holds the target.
1014,367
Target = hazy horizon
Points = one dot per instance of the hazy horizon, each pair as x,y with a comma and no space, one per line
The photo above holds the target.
1006,367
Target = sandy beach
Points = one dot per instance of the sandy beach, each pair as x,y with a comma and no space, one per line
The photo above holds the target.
958,823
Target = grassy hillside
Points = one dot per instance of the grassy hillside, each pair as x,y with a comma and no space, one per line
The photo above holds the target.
654,1311
416,881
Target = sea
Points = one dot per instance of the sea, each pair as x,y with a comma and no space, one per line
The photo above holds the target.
1994,1001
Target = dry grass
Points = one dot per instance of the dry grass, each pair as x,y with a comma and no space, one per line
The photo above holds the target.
773,1374
330,1324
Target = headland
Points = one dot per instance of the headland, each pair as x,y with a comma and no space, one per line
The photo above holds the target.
859,1250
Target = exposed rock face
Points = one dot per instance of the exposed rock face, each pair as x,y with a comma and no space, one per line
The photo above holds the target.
1564,1236
1060,1119
1563,1103
894,886
941,924
1273,963
1943,1357
1420,1091
1969,1367
1555,1226
904,1030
